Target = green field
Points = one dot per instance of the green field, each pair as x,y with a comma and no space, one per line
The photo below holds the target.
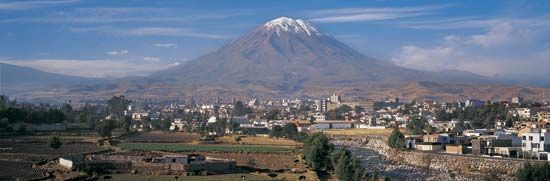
138,177
171,147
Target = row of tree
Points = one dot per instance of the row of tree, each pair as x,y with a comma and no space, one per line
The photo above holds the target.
320,156
480,116
289,131
534,172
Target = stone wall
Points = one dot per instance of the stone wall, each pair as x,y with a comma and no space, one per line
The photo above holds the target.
466,165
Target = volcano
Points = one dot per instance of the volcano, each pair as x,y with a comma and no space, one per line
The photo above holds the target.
292,57
288,55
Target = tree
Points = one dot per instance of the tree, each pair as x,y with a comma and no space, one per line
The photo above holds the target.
346,166
358,109
533,172
105,128
165,124
416,125
276,131
117,105
239,109
316,152
55,142
312,119
396,139
290,131
125,123
272,114
337,113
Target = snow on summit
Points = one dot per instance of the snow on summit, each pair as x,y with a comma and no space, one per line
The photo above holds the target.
289,24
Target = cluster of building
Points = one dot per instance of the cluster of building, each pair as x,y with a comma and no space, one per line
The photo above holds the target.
528,143
525,139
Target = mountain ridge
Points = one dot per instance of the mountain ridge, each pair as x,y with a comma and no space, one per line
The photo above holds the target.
287,57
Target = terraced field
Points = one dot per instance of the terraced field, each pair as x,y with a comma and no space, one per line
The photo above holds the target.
44,149
191,178
11,170
162,137
217,148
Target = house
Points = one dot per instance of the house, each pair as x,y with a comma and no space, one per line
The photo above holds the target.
501,144
177,124
139,115
512,152
455,149
320,125
411,140
319,116
477,132
183,159
479,147
536,143
517,100
429,146
436,138
543,116
526,113
72,162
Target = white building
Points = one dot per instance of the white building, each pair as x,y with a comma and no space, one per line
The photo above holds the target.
517,100
335,98
139,115
319,117
536,143
524,113
177,123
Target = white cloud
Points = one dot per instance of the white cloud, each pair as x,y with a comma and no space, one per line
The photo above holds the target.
93,68
118,52
463,52
447,23
151,59
24,5
108,15
149,31
165,45
430,59
500,34
370,14
452,38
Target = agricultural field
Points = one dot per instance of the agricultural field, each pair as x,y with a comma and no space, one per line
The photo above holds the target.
162,137
215,148
284,161
65,136
259,140
11,170
137,177
361,132
44,149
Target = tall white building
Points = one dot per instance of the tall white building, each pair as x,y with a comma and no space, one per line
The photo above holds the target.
335,98
536,143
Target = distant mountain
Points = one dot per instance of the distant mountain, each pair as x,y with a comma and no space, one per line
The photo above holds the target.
14,78
288,55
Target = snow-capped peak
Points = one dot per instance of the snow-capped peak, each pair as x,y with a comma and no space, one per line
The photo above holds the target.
289,24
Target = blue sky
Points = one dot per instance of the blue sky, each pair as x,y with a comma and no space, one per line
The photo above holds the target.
119,38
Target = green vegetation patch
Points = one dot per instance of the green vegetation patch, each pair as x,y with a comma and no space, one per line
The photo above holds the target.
171,147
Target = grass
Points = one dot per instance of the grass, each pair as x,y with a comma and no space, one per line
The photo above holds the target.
138,177
171,147
258,140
